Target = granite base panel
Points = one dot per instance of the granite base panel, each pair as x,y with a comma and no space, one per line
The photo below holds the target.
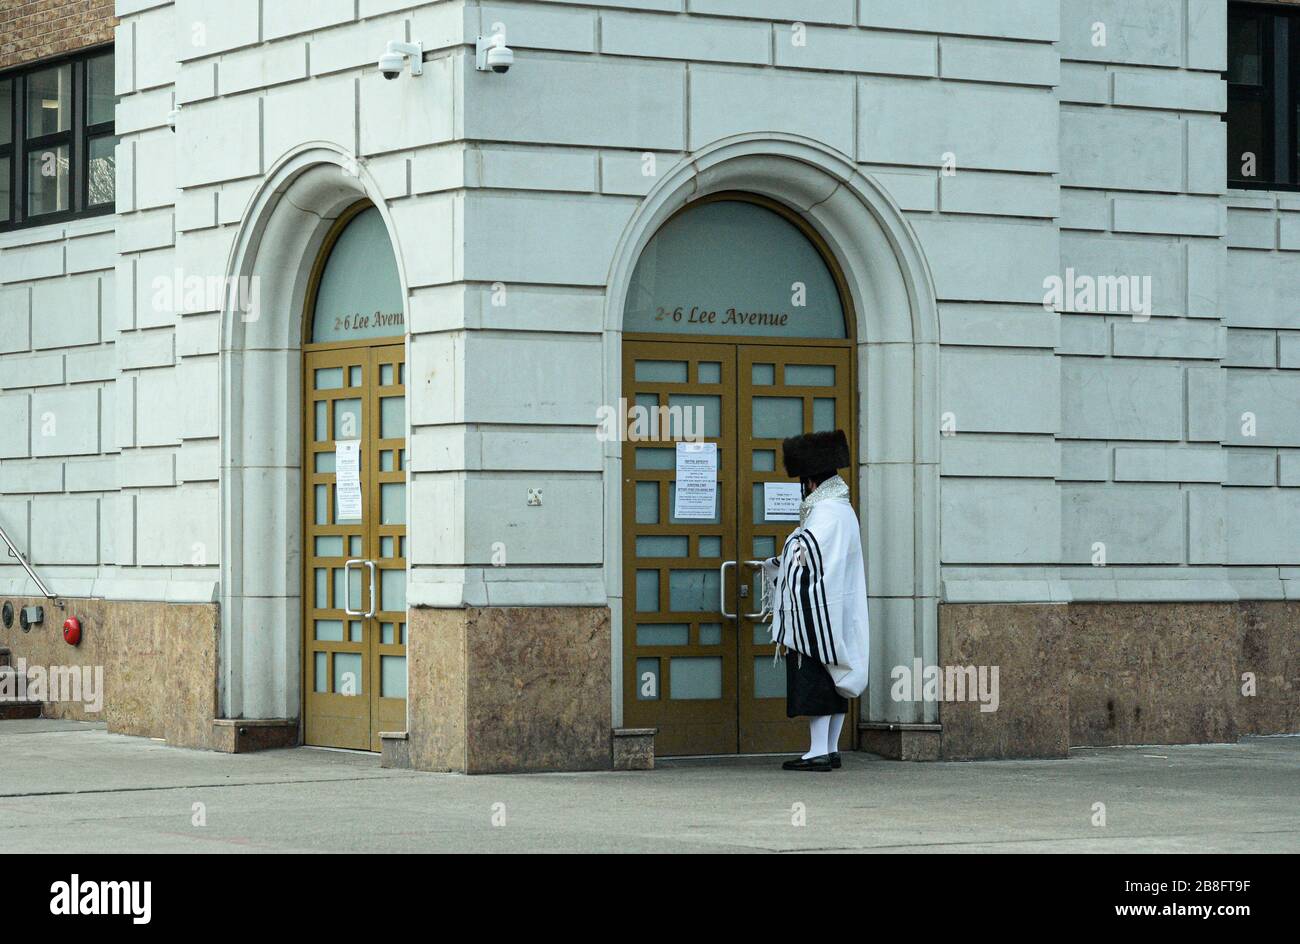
158,664
900,742
1028,647
394,750
1103,674
509,689
633,748
244,735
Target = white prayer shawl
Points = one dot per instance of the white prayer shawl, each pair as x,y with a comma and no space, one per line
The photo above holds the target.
819,591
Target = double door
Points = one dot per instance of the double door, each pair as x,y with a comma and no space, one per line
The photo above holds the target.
354,544
697,653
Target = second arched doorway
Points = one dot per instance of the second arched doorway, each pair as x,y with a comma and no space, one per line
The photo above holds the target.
354,488
738,332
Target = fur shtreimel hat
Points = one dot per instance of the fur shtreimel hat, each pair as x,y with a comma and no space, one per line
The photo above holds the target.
814,454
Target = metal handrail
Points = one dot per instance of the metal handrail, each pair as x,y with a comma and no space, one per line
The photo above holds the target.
40,584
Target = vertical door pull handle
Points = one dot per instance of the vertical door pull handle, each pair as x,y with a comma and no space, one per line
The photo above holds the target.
764,605
722,589
373,581
347,588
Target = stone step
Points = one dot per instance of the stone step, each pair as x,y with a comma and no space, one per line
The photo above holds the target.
12,710
9,708
15,710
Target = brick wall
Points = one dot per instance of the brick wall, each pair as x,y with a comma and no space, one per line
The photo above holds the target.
38,29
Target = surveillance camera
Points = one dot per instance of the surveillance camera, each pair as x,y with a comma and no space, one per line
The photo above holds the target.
500,59
394,59
391,64
493,55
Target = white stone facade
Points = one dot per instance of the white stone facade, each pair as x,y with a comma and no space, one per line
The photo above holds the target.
1008,143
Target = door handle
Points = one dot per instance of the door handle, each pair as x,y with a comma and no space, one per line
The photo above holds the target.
764,605
347,587
373,581
722,589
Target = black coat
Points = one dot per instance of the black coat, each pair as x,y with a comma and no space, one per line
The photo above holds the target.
809,689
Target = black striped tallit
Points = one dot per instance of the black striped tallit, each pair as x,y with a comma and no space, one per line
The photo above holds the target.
821,613
807,614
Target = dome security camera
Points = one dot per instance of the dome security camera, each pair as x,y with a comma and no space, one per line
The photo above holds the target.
394,59
493,55
390,65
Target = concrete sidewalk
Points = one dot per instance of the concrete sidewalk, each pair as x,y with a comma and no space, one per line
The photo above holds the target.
71,787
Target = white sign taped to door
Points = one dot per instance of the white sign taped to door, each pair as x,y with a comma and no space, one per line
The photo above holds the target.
781,501
347,479
697,481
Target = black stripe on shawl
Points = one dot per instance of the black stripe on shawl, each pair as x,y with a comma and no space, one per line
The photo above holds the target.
798,630
778,609
813,612
778,605
809,615
821,595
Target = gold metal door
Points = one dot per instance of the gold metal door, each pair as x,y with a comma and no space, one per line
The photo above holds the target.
679,657
354,567
784,391
696,664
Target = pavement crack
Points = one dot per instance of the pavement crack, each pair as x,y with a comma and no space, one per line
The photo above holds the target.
192,786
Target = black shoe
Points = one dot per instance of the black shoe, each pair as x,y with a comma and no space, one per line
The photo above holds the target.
815,764
835,760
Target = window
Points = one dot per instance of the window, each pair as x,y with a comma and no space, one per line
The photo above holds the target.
56,140
1263,96
735,265
358,291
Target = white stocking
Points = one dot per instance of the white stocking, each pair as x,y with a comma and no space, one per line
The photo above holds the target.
833,740
820,729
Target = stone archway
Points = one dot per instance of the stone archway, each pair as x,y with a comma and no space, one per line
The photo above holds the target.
898,358
283,229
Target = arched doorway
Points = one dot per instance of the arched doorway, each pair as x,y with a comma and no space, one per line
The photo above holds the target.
354,488
738,331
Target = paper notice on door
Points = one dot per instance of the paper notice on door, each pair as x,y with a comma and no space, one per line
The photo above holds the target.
347,479
697,481
781,501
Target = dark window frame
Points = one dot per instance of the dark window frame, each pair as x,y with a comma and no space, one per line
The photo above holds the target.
77,138
7,151
1278,96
